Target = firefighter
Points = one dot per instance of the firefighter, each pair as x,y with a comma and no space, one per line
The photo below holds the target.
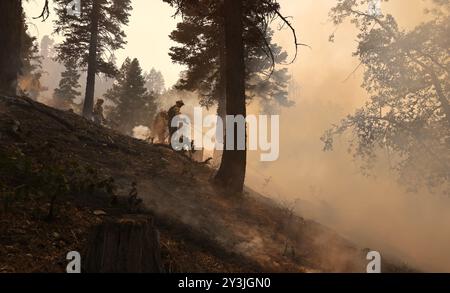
173,112
98,112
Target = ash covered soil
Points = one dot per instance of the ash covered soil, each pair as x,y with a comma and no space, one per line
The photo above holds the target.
202,228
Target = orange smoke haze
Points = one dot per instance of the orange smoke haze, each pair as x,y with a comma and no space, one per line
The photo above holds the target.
373,212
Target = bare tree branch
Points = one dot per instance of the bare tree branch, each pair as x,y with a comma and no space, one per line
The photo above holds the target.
294,33
45,12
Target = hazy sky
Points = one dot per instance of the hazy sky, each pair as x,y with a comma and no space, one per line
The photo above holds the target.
375,212
151,22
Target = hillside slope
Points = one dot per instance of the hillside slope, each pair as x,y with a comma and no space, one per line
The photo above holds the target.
203,229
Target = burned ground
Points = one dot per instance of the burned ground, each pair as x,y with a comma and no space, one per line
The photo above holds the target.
202,228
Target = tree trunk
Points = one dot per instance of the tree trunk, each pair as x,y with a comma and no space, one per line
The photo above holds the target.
231,174
221,100
88,105
11,24
222,86
220,135
129,245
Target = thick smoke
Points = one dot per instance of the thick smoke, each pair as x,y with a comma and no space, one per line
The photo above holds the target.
374,212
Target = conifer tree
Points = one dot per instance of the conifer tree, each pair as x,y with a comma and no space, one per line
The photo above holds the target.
134,105
91,38
154,81
202,50
218,44
66,93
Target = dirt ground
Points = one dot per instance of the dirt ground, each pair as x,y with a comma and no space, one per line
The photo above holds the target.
202,228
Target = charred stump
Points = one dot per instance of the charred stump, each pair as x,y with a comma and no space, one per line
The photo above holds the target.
128,245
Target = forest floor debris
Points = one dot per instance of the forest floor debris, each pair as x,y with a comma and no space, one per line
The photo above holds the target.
202,229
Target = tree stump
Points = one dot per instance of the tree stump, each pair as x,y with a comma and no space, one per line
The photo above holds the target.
127,245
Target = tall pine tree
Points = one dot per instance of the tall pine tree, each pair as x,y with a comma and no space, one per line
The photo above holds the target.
155,82
66,93
237,20
202,50
91,38
134,105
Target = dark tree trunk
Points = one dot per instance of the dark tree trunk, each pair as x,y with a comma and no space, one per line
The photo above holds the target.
222,86
129,245
231,174
221,99
220,136
11,24
92,62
